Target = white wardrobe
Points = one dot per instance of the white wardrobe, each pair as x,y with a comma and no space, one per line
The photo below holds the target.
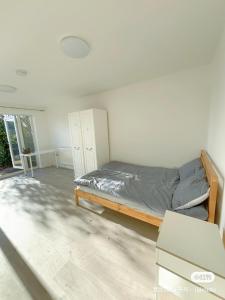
89,140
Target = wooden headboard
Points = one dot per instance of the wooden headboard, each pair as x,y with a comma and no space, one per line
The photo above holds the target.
213,183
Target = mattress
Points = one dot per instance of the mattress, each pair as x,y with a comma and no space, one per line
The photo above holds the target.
148,189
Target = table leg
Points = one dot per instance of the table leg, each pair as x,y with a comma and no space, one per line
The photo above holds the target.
31,167
56,160
24,165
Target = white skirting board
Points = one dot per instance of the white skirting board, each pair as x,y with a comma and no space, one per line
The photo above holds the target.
66,166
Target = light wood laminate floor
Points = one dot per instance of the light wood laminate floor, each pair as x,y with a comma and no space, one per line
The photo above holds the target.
51,249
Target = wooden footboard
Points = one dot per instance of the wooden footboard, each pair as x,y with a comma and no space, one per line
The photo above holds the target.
117,207
212,180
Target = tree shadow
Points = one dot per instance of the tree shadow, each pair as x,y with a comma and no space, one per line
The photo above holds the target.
51,193
48,200
39,196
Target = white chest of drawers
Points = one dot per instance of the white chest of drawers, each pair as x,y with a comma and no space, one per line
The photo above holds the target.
188,249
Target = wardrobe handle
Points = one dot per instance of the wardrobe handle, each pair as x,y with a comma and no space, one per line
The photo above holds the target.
90,149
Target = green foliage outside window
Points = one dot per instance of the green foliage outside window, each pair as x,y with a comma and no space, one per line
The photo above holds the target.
5,158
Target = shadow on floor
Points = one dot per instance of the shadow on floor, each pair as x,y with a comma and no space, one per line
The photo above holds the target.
146,230
30,281
51,193
7,172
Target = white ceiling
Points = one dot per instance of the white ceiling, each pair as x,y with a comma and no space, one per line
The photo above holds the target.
131,40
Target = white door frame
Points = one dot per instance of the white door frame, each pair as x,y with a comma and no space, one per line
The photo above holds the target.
20,139
18,122
18,142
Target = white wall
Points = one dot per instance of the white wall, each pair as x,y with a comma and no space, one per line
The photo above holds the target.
159,122
216,137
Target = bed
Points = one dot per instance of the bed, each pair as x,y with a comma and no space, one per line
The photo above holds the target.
139,184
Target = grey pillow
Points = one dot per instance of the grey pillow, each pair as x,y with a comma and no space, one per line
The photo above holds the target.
199,212
200,173
190,192
189,168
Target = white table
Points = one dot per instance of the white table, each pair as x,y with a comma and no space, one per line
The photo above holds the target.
187,245
29,155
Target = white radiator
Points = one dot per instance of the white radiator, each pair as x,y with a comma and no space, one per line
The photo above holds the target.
64,157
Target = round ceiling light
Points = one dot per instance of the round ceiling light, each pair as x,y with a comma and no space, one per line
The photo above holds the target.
21,72
75,47
7,88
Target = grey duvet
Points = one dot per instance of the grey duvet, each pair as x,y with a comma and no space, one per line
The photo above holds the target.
152,186
149,189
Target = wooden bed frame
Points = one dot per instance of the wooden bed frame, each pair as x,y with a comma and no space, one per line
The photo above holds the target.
211,203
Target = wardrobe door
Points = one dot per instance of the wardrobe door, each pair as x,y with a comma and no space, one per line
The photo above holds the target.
77,145
87,124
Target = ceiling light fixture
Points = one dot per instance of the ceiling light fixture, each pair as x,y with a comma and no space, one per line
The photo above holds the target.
21,72
75,47
7,88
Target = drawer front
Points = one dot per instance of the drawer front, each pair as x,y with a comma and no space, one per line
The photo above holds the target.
185,269
178,286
